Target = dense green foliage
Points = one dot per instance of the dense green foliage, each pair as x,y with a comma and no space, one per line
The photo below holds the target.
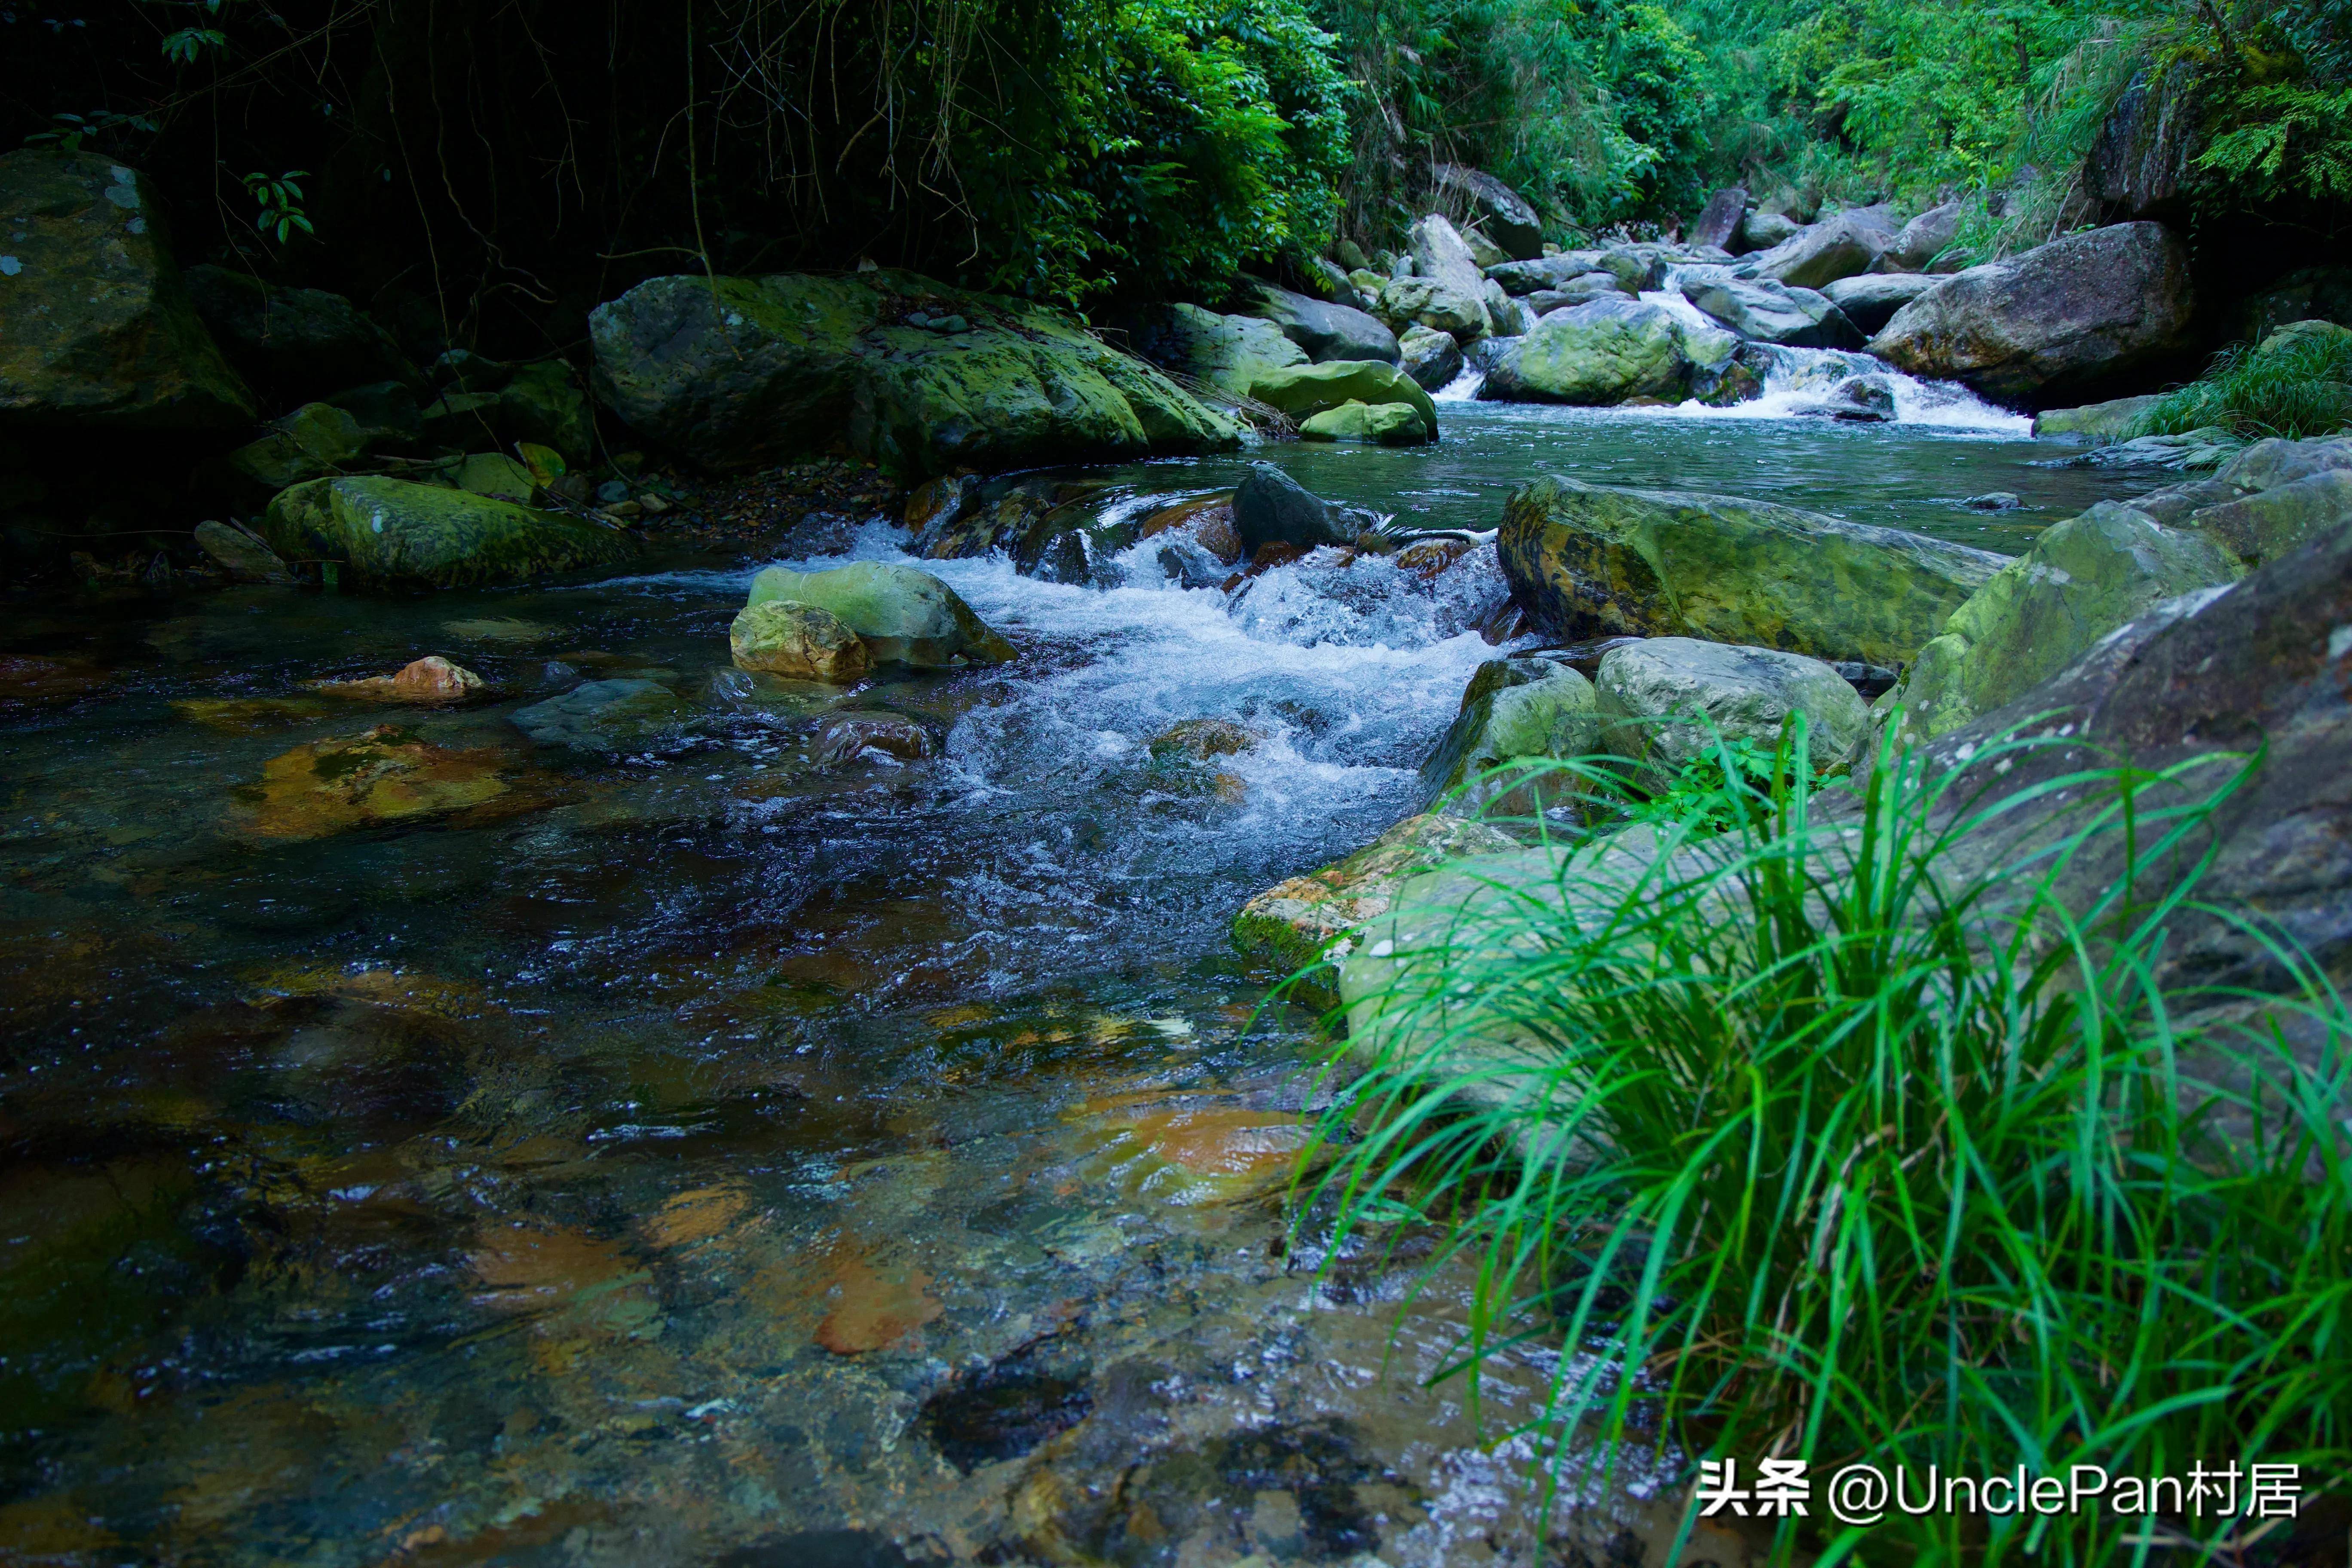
2293,385
1843,1136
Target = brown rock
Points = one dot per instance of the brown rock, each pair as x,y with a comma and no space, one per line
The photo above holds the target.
429,680
802,642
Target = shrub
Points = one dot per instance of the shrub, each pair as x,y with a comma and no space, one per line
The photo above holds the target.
1839,1135
2297,385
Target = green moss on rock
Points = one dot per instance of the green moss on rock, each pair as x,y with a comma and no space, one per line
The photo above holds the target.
391,531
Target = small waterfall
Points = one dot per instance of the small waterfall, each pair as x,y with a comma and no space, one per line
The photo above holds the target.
1462,388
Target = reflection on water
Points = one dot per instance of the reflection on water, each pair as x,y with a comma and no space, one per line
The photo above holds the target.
681,1144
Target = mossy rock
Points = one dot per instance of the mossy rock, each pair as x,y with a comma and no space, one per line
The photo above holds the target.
2082,578
903,615
315,440
96,326
915,376
1304,391
1595,561
1513,708
391,531
1603,351
1380,424
799,642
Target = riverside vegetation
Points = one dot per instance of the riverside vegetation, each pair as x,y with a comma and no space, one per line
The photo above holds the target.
1155,784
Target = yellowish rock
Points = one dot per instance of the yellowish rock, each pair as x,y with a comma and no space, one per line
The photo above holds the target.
804,642
430,680
385,776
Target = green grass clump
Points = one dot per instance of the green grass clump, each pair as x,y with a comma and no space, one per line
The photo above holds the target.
1850,1128
2300,387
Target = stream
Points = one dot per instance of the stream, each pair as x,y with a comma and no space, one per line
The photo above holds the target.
714,1151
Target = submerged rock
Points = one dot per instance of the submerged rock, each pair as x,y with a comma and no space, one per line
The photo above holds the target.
846,737
2066,317
1668,701
746,371
2082,578
1595,561
385,777
608,716
801,642
902,615
96,326
391,531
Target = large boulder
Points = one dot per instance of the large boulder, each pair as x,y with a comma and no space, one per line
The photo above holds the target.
2082,578
294,344
922,379
1437,305
1581,290
96,327
1822,253
1499,211
1513,709
800,642
1921,241
1718,222
1666,701
1439,254
1519,278
1871,298
1325,331
387,531
2074,315
902,615
1595,561
1431,358
1603,351
1226,352
1772,312
1302,391
2270,522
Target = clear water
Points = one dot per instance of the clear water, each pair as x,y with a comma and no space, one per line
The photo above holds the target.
708,1152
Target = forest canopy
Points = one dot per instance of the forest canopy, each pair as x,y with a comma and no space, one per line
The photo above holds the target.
517,164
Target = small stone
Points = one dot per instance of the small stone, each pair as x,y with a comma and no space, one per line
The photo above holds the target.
1994,501
613,490
428,680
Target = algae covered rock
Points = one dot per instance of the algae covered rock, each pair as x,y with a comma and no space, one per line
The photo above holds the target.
2266,525
1308,921
1606,350
1669,700
1382,424
2095,422
1303,391
393,531
387,776
1325,330
96,327
1228,353
802,642
1597,561
607,716
909,374
902,615
1512,709
2082,578
315,440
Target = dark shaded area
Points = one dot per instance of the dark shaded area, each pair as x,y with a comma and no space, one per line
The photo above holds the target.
1002,1413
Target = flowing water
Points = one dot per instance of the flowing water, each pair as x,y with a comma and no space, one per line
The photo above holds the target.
715,1148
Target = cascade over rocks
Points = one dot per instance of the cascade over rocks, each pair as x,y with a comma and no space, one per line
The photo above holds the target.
918,377
2063,318
1593,560
96,326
